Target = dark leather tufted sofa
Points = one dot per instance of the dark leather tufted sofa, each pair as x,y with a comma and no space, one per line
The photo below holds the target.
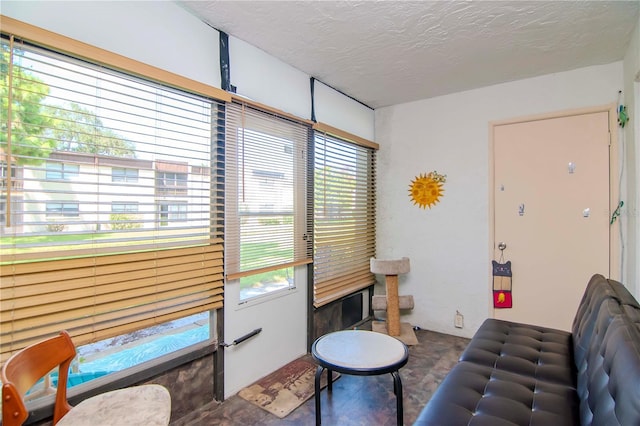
522,374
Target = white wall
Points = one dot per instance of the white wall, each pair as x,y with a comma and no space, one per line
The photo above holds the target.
281,86
157,33
333,108
268,80
631,214
449,244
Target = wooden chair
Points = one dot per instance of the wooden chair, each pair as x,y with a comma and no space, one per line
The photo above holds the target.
27,366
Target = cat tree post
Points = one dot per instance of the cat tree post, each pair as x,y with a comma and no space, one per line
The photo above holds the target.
391,269
393,305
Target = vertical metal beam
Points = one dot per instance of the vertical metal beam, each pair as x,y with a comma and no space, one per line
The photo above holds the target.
218,359
310,236
225,65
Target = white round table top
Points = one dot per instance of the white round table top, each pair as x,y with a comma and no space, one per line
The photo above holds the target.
360,350
148,405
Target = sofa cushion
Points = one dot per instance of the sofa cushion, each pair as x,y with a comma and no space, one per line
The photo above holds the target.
473,394
537,352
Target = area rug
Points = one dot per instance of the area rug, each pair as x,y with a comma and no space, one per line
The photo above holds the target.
285,389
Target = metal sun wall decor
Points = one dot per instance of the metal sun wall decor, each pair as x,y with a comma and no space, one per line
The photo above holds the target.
426,189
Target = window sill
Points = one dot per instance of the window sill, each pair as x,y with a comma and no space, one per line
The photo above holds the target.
256,300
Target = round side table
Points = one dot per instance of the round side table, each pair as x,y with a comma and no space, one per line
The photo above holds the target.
360,353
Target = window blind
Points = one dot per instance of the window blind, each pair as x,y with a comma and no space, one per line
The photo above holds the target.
344,217
266,178
111,204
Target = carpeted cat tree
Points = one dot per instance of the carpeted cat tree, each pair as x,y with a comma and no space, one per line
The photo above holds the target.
392,302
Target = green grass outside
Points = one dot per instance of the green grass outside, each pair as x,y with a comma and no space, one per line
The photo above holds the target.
271,251
266,277
40,239
47,245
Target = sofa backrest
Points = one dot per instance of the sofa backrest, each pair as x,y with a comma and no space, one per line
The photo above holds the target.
596,293
610,385
607,354
623,295
591,340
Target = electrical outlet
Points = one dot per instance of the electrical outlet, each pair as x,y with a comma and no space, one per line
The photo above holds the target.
458,321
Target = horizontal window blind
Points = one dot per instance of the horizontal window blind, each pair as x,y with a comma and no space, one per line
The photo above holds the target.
344,217
266,178
102,168
101,297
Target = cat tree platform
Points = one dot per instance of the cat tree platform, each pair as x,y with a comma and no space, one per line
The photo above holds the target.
392,302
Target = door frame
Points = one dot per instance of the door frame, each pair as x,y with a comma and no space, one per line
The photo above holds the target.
614,178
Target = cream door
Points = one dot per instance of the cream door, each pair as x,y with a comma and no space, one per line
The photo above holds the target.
551,209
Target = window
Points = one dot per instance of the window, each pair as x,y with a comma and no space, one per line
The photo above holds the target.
124,207
128,350
171,183
4,173
172,180
119,174
89,144
175,212
266,175
16,216
69,209
344,217
5,178
61,171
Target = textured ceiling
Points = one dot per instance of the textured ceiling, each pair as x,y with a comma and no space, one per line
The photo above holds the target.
389,52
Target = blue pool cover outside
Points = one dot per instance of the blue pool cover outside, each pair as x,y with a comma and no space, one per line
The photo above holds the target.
146,351
133,356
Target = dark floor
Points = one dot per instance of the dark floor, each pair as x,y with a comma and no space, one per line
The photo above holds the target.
356,400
